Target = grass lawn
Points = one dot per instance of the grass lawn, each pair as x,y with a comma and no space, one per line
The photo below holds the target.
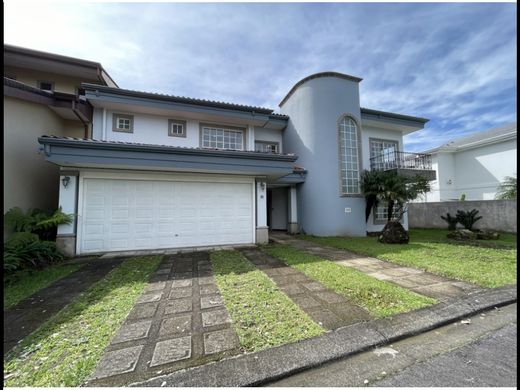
263,316
65,350
486,263
27,282
380,298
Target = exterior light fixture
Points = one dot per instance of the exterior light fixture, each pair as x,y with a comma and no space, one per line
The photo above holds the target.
262,185
65,181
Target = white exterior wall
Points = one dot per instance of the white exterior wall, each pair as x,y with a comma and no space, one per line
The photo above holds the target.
269,135
477,172
368,132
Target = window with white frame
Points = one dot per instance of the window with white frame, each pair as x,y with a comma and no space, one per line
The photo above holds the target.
222,138
383,152
176,128
266,147
381,213
123,123
349,156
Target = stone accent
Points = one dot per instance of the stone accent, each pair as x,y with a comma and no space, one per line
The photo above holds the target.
262,235
293,228
118,362
170,351
66,244
220,341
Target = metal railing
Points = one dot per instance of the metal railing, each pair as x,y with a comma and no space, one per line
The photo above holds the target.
395,159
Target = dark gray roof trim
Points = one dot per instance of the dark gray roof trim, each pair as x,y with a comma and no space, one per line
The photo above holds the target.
24,87
369,113
182,100
98,144
315,76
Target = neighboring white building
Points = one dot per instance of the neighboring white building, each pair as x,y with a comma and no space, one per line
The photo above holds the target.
474,165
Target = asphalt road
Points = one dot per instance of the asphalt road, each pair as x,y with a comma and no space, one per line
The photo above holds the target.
488,362
476,351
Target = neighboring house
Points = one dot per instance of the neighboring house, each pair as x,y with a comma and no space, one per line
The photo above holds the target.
163,171
41,97
473,166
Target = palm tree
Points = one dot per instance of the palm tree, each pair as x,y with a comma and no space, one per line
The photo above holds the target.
507,190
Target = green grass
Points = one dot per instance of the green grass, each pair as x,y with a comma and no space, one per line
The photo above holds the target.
486,263
263,316
27,282
380,298
65,350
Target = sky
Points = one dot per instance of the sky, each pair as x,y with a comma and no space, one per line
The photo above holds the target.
454,63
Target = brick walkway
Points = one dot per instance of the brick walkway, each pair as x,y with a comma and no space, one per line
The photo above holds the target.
323,305
179,321
29,314
422,282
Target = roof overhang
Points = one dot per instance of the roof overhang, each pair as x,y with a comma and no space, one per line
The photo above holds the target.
54,63
189,108
475,144
74,152
392,121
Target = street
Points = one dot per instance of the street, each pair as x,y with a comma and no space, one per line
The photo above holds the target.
477,351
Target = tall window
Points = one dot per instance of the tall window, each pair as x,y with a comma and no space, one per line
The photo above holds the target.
383,153
221,138
349,156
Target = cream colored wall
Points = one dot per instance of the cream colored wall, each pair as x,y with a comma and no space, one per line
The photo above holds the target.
30,77
30,181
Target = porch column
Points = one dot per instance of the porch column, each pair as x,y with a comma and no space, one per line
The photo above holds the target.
66,237
262,230
292,225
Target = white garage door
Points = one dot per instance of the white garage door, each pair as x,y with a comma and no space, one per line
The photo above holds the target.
121,215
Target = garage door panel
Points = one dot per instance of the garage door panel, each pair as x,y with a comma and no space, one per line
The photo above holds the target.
138,214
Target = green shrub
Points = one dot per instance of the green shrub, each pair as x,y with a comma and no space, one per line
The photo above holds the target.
467,218
36,221
452,221
25,249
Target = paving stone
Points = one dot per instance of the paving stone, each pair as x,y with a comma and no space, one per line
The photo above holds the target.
182,275
205,272
135,331
270,271
182,283
426,279
280,280
179,325
330,297
306,302
178,306
161,271
406,282
380,275
180,292
150,297
159,278
144,310
440,290
395,272
287,271
155,286
216,317
118,362
314,286
172,350
206,280
350,312
211,301
292,289
207,289
220,341
299,278
326,318
410,271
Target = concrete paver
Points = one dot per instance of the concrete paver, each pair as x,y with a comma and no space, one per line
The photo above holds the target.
422,282
179,321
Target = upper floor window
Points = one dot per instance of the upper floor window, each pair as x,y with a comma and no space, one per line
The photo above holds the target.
123,123
383,153
176,128
349,156
214,136
266,147
46,85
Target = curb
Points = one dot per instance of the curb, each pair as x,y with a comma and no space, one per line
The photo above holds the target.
272,364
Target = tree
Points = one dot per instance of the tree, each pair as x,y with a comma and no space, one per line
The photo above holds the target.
507,189
392,189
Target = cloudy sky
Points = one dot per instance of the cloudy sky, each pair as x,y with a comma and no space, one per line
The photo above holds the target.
452,63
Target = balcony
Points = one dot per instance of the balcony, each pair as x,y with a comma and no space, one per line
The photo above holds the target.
405,163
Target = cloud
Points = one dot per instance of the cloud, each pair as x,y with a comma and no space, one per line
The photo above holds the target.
452,63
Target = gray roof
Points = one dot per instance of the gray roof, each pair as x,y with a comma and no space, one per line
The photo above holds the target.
496,133
184,100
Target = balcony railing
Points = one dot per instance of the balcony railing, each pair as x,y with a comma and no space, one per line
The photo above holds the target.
401,160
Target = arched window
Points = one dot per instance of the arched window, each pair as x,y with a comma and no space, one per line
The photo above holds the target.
349,156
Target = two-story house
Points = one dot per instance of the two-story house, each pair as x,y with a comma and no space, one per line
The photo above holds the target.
41,98
164,171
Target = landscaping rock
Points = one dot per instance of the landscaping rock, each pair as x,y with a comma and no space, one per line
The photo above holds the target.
462,235
487,235
394,233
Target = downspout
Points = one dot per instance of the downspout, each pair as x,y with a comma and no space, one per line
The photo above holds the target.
85,123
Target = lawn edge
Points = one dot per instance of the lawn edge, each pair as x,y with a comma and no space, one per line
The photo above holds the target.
266,366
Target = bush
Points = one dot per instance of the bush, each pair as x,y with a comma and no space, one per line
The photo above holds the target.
467,218
452,221
36,221
25,249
